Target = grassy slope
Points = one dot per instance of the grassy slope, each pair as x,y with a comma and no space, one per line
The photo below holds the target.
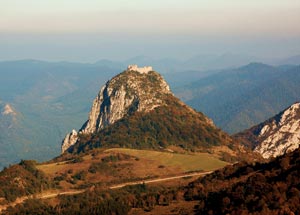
126,165
187,162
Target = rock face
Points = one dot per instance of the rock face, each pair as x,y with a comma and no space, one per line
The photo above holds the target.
8,115
278,135
69,140
134,90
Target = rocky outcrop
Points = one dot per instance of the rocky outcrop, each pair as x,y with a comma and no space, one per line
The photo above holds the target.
278,135
69,140
8,110
136,89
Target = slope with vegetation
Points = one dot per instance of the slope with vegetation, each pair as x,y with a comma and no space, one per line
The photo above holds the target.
22,179
172,125
260,188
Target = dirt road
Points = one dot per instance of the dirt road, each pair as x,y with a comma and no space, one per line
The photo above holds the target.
52,195
158,180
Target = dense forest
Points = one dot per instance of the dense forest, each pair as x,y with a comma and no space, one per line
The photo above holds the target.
118,202
260,188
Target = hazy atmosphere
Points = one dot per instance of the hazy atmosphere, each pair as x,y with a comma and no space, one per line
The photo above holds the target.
86,31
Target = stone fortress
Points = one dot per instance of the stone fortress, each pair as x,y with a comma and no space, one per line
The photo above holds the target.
143,70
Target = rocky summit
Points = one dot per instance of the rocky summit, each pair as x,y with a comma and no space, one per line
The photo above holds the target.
134,90
8,110
278,135
136,109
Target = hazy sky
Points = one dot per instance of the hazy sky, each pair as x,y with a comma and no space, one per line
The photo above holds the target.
88,30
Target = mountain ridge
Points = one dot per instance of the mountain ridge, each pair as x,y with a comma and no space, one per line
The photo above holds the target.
240,98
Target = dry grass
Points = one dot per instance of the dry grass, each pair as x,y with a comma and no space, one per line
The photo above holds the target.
142,164
59,167
186,162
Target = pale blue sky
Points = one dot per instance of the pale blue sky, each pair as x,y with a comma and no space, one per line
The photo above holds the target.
47,29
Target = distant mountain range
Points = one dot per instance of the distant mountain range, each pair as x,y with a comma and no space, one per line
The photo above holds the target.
201,62
239,98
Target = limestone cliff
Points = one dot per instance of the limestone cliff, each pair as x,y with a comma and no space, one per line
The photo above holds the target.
134,90
278,135
69,140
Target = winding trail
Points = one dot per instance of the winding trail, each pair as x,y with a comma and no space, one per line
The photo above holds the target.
117,186
52,195
158,180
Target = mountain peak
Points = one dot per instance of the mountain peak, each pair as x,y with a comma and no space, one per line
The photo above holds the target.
8,110
134,90
136,109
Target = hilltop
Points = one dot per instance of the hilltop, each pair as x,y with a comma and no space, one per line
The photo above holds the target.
136,109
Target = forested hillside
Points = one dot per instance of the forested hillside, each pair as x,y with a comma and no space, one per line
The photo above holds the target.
237,99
